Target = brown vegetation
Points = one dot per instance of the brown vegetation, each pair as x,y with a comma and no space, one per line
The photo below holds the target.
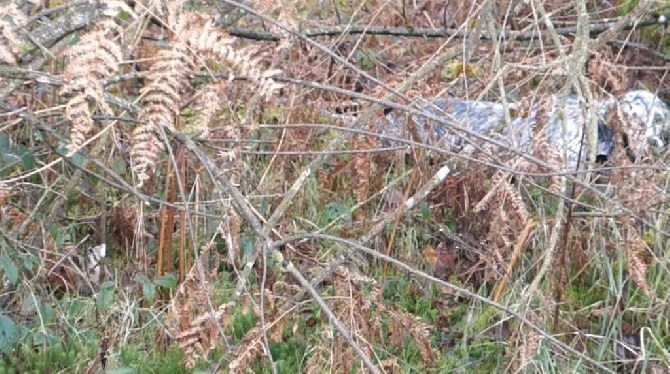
195,153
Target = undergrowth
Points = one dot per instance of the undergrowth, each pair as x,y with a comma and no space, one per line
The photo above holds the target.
180,182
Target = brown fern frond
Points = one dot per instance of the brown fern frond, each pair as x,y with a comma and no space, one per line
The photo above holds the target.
93,60
409,324
173,10
145,149
287,15
605,75
193,330
9,40
169,76
523,345
635,248
244,357
168,79
252,346
542,149
528,349
201,35
77,111
208,104
517,202
497,181
362,166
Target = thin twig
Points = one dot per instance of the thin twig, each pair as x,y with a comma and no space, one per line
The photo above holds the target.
595,29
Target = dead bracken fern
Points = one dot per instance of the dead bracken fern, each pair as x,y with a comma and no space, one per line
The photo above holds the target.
359,308
161,98
350,304
10,17
635,249
93,60
523,346
194,39
207,105
192,330
287,15
503,191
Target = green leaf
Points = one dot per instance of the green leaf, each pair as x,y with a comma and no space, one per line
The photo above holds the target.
77,159
74,39
4,143
48,313
264,207
28,160
105,295
10,269
124,16
168,281
44,338
149,291
74,308
31,304
9,334
334,211
119,166
425,211
29,261
247,246
56,236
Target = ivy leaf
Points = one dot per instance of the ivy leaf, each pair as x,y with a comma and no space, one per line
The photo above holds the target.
335,210
78,158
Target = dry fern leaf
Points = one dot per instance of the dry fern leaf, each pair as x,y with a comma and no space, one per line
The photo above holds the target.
168,78
201,35
9,40
92,61
634,248
77,111
207,106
